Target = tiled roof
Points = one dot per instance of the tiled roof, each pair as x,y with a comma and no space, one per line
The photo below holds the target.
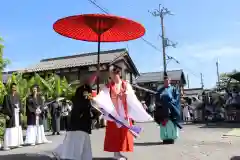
193,91
76,60
158,76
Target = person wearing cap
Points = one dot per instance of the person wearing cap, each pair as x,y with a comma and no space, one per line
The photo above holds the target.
34,111
167,113
12,109
119,97
77,144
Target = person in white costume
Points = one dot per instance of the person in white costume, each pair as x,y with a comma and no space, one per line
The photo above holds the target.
12,110
34,111
186,113
118,99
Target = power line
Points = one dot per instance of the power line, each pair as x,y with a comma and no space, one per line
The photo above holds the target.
98,6
169,58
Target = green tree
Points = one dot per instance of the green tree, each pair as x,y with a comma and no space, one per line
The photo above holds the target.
226,81
3,62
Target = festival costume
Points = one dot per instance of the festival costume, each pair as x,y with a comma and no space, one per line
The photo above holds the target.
13,133
124,106
186,113
35,130
168,113
77,143
55,111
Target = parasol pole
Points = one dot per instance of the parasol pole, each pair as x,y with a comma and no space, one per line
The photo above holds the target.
98,63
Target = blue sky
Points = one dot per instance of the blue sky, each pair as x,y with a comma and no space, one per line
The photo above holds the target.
205,30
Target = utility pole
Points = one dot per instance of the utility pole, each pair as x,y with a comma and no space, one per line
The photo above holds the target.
162,12
187,81
218,77
202,84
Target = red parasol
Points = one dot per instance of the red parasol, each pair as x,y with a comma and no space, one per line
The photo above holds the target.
99,28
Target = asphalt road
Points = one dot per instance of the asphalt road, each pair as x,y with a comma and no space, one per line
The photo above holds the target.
195,143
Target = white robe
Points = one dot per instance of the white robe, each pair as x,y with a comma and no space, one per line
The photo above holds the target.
135,108
186,113
35,134
75,146
13,137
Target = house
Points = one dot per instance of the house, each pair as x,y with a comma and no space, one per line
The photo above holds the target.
193,92
75,66
152,80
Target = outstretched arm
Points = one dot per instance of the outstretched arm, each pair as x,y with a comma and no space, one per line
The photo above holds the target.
135,108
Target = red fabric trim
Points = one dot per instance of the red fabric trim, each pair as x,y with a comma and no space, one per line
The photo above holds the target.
122,94
164,123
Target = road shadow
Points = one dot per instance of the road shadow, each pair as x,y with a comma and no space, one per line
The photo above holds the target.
235,158
221,125
148,144
25,157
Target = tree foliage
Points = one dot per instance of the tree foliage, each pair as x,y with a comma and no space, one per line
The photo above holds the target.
51,87
3,62
226,82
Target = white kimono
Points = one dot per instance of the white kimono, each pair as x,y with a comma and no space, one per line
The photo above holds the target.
135,108
35,133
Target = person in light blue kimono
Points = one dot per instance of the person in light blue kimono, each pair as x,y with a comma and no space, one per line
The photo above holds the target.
167,112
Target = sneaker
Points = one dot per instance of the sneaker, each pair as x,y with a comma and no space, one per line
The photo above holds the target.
19,146
6,148
119,156
47,141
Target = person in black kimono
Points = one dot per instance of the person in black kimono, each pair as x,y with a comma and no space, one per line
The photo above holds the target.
45,120
55,114
34,111
12,109
45,116
77,145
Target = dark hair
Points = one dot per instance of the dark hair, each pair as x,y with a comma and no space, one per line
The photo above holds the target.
13,84
35,86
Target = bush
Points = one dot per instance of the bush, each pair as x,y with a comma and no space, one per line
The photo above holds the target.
2,128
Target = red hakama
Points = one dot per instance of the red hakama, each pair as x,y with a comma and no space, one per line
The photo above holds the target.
118,139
